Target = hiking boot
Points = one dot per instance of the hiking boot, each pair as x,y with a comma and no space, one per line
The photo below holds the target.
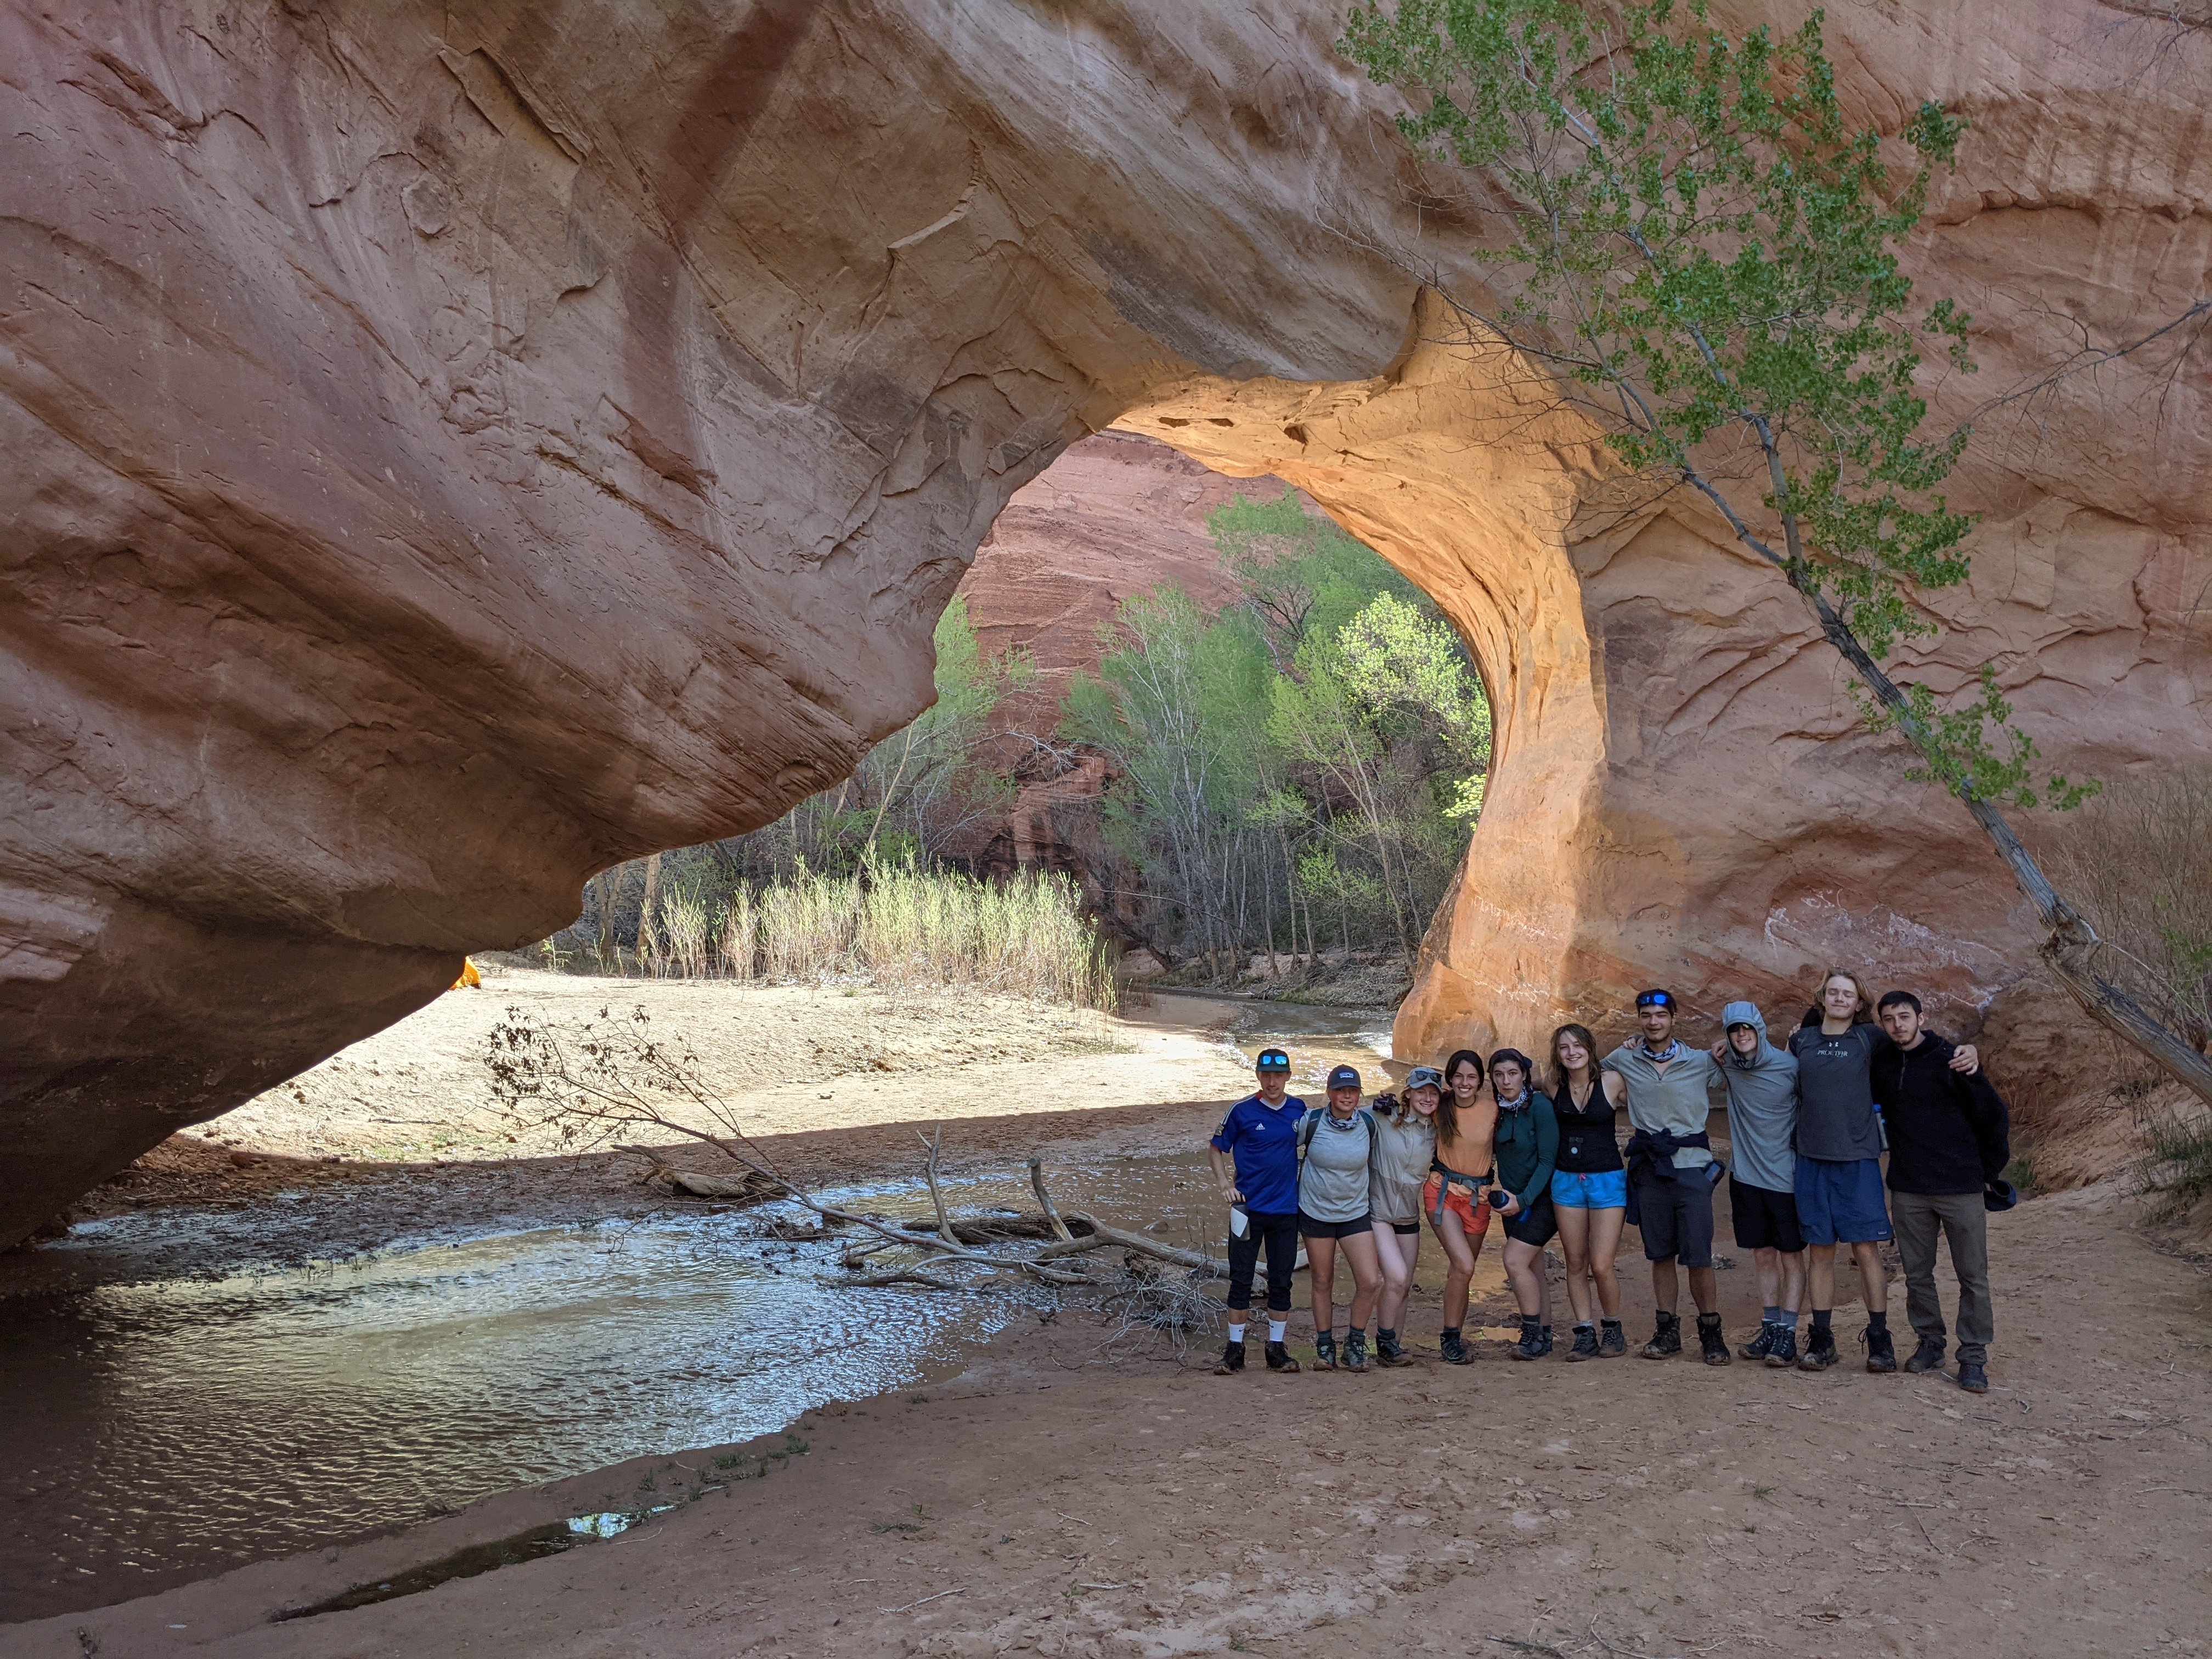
1453,1347
1928,1356
1232,1360
1612,1340
1819,1351
1585,1344
1972,1378
1531,1344
1712,1341
1881,1352
1547,1341
1666,1342
1388,1351
1782,1351
1278,1359
1760,1345
1355,1351
1325,1351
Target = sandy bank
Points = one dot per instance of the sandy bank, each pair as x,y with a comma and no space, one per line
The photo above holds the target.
1055,1500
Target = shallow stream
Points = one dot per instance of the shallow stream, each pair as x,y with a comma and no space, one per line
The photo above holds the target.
174,1407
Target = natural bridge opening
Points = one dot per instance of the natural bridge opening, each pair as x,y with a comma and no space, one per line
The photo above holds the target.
1257,748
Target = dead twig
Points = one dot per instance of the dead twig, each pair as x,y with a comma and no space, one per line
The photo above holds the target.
926,1600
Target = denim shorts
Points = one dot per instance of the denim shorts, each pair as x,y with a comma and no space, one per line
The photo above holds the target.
1605,1190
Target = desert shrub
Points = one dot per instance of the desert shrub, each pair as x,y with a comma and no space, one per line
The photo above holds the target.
2175,1171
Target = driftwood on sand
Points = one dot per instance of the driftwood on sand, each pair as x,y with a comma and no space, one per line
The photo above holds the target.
613,1078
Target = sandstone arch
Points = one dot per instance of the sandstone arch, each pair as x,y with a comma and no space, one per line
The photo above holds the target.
455,448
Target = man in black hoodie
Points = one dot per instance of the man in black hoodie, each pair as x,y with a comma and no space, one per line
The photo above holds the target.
1949,1139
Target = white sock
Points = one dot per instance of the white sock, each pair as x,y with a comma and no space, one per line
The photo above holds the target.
1276,1327
1236,1333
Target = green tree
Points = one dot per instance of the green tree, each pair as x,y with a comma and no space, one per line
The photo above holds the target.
1179,705
1700,249
1302,574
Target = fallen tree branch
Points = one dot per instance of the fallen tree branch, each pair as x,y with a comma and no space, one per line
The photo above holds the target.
1101,1236
932,1143
901,1276
1044,1199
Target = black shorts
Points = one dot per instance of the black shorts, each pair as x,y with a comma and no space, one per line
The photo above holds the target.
1537,1225
1765,1220
1313,1229
1676,1219
1406,1229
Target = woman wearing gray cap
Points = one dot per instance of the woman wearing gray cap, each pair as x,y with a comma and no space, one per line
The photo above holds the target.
1405,1146
1336,1154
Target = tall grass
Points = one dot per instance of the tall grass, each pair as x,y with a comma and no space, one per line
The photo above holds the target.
902,927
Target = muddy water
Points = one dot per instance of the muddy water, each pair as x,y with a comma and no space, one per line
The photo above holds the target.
1315,1038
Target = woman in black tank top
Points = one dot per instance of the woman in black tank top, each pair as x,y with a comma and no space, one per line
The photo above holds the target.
1590,1190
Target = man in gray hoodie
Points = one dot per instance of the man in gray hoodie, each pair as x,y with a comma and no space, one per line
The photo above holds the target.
1762,1096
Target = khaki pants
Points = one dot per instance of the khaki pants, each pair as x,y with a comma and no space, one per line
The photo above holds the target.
1961,1217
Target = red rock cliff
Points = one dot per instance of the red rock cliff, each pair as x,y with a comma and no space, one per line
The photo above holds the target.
452,448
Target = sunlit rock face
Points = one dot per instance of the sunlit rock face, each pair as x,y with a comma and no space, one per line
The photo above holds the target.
452,448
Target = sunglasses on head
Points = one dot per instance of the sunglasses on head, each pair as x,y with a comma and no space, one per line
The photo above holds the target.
1655,1000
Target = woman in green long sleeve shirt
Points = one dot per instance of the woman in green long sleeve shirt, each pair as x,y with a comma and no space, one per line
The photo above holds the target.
1527,1147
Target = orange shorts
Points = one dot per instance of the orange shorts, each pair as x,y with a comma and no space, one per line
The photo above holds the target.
1459,1199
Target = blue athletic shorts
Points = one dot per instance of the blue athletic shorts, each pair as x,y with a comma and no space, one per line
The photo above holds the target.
1605,1190
1841,1203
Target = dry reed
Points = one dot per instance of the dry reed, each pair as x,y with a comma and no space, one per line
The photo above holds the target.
903,928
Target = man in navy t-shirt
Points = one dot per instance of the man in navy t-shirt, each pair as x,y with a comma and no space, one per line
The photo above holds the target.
1255,1160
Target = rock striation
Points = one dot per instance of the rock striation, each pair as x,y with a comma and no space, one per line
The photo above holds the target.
454,449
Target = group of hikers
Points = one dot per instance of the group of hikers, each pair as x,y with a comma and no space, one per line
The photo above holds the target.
1808,1124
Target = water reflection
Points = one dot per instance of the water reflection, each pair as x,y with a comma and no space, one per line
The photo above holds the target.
160,1430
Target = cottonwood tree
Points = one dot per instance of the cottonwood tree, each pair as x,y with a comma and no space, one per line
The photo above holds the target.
1688,239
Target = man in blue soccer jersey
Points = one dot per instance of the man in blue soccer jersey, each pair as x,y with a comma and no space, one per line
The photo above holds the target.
1255,1160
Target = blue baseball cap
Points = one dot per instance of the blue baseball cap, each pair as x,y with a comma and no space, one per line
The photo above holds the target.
1344,1076
1272,1060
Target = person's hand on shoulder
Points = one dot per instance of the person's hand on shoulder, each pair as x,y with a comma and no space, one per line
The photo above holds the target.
1966,1057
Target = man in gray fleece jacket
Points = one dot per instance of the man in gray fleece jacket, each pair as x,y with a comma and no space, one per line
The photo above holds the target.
1762,1096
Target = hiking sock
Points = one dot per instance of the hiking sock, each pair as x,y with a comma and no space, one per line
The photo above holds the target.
1821,1330
1584,1324
1878,1322
1236,1330
1276,1327
1769,1315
